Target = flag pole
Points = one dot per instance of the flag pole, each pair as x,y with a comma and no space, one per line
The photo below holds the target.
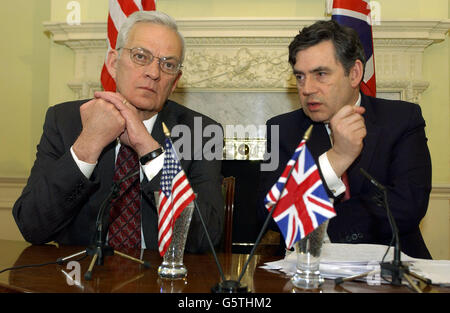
167,134
269,216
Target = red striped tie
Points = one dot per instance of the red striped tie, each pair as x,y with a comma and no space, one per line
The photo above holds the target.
125,227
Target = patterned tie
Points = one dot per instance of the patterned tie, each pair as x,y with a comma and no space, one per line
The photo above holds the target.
344,178
125,227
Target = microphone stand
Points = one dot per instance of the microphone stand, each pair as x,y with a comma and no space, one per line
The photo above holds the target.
396,269
99,250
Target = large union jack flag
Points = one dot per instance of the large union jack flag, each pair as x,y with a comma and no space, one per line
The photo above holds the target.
174,195
356,14
304,203
119,10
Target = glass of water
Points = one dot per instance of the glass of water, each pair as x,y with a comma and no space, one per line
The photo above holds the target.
308,252
172,266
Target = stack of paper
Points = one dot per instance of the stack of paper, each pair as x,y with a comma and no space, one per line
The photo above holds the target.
343,260
436,270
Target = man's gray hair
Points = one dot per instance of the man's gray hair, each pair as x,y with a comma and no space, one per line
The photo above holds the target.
154,17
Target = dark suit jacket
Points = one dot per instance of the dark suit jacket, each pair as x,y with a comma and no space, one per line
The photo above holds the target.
60,204
395,153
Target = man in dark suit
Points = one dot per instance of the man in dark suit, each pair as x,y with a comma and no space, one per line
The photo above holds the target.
353,131
74,168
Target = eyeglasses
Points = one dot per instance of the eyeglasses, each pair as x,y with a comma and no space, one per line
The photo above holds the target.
143,57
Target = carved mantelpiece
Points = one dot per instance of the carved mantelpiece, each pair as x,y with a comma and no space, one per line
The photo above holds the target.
245,56
251,54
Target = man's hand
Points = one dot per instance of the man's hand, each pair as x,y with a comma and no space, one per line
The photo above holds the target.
135,134
348,130
102,123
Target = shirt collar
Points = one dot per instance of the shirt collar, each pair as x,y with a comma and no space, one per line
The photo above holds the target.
151,122
358,102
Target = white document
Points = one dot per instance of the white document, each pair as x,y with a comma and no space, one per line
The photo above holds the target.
343,260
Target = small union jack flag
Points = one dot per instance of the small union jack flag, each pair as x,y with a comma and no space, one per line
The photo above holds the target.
304,203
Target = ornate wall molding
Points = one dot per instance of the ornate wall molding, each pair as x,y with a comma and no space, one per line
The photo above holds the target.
247,66
251,54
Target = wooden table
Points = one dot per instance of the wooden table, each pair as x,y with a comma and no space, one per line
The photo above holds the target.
120,275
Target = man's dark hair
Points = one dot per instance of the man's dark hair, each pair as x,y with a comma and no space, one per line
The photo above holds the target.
345,41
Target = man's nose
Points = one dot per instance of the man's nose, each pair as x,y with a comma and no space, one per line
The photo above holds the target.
309,86
153,70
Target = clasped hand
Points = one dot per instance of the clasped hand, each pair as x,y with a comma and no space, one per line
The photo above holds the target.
106,117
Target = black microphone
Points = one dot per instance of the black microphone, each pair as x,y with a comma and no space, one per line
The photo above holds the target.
113,193
372,180
397,250
98,245
396,269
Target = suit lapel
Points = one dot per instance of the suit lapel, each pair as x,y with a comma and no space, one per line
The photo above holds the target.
370,143
319,142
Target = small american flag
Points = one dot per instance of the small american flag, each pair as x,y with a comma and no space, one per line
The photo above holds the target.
174,195
304,203
119,10
356,14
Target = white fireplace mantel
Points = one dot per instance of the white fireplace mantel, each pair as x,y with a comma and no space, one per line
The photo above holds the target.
251,54
236,70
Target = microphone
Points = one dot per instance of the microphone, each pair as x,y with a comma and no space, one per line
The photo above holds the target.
113,193
98,236
98,249
396,269
397,250
372,180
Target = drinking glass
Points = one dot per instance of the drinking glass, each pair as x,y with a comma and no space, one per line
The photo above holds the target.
172,266
308,252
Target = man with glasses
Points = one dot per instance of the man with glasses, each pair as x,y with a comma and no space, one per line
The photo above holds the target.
82,140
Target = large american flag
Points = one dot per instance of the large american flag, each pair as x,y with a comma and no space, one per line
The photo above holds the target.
174,195
119,10
356,14
304,203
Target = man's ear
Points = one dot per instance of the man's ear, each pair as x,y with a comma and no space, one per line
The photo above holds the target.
356,74
111,62
175,82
